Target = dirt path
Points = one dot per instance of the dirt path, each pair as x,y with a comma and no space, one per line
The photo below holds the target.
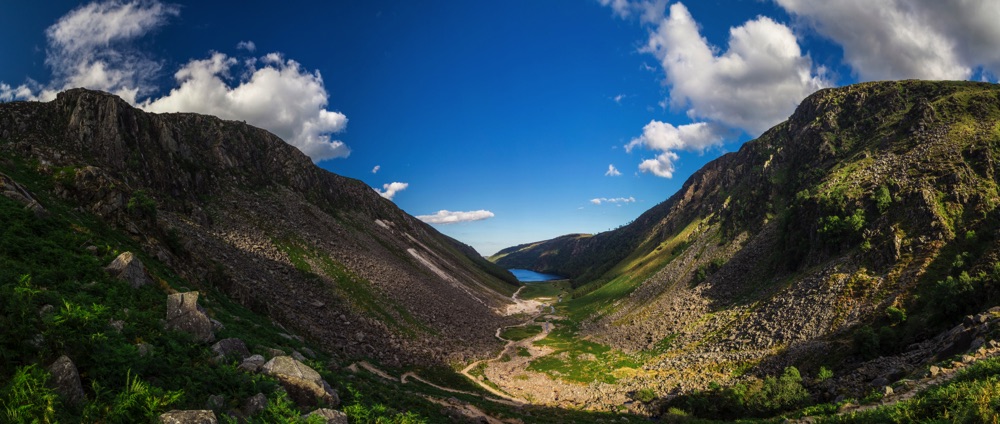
533,307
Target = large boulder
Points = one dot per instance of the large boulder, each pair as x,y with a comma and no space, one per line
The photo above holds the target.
127,267
66,381
184,315
189,417
304,385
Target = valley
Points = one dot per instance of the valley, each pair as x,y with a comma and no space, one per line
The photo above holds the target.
842,267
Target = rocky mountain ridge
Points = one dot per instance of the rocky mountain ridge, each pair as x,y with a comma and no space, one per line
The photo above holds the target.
234,208
842,234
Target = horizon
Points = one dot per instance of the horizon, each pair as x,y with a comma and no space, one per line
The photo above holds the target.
499,124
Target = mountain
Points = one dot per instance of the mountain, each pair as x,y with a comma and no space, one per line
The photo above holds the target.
852,236
234,208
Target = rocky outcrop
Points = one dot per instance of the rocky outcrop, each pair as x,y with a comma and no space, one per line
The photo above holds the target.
189,417
128,268
16,192
304,385
184,314
66,381
255,404
252,363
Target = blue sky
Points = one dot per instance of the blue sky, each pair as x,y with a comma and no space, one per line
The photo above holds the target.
508,114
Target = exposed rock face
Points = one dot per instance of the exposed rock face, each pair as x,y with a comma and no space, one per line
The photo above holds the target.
329,415
14,191
233,205
188,417
304,385
127,267
66,381
184,315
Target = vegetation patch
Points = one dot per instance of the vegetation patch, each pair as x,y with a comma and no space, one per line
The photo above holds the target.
520,332
580,361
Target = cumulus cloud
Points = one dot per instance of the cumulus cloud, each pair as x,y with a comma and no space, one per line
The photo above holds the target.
668,139
376,168
449,217
754,84
389,190
894,39
603,200
280,96
92,46
612,171
247,45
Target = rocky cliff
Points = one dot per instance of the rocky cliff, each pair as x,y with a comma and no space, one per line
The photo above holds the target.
858,229
233,208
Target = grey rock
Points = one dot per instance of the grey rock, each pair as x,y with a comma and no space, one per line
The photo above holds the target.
252,364
129,268
117,324
231,347
329,415
304,385
255,404
298,356
188,417
887,391
183,315
144,348
308,352
66,380
45,310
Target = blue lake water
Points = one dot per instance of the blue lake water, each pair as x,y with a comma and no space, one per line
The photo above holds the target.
528,276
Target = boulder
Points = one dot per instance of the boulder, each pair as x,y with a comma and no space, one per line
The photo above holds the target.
329,416
128,268
188,417
231,347
66,381
252,364
255,404
183,315
304,385
215,402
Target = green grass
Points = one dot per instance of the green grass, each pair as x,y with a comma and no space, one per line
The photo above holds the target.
547,289
520,333
580,361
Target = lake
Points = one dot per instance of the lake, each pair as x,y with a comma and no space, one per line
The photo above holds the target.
528,276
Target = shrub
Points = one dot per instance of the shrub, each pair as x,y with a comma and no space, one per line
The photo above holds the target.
896,315
27,399
866,342
882,199
824,374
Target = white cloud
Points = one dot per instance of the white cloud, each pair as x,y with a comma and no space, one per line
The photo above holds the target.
247,45
612,171
602,200
376,168
389,190
92,46
668,139
661,166
895,39
646,10
449,217
280,97
754,84
618,99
